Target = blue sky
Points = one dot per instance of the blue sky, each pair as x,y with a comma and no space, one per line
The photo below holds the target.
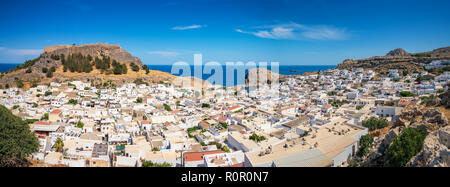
292,32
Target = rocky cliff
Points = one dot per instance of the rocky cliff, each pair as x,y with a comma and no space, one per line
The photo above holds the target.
95,50
31,72
397,59
435,151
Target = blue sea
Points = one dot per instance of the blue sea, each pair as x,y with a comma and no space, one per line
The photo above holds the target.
7,67
283,69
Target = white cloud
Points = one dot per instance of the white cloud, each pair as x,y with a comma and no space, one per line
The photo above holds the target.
26,52
164,53
21,52
188,27
294,31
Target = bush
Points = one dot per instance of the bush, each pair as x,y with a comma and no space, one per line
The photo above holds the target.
139,100
134,67
49,74
206,105
406,94
80,124
44,70
73,101
404,147
375,123
151,164
45,117
257,138
28,70
167,107
365,143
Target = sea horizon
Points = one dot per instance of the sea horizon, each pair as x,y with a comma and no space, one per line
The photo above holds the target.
283,70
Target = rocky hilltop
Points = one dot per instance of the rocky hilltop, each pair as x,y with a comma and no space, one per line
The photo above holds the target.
397,59
398,52
94,50
95,63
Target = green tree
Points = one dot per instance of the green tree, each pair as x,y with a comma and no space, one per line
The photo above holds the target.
44,70
257,138
80,124
16,140
167,107
49,74
225,149
28,70
45,117
73,101
134,67
404,147
206,105
59,145
139,100
375,123
365,143
406,94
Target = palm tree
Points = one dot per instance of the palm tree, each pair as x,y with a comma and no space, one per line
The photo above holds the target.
59,145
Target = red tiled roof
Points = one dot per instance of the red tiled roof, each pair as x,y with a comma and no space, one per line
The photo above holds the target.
222,119
175,111
234,107
189,157
41,123
327,106
203,125
145,122
56,111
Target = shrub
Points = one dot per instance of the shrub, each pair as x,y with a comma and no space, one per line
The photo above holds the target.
80,124
167,107
375,123
406,94
404,147
151,164
134,67
365,143
257,138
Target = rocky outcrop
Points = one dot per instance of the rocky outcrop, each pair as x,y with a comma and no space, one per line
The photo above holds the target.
48,60
397,59
415,116
398,52
94,50
445,98
435,152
